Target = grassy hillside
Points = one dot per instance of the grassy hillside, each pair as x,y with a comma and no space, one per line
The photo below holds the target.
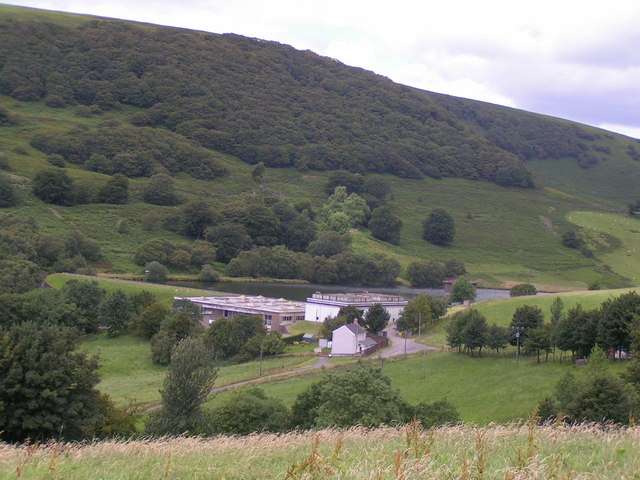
504,234
464,452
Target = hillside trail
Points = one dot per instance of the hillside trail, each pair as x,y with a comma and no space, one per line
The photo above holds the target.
399,346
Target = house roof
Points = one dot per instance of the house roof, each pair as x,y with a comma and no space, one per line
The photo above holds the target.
368,342
353,328
248,304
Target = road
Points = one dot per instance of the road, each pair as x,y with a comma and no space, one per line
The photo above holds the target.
399,346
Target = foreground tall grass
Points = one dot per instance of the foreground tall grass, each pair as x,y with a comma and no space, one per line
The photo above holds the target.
404,453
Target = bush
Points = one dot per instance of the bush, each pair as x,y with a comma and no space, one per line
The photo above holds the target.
8,194
425,274
160,190
522,289
156,272
53,186
438,228
209,274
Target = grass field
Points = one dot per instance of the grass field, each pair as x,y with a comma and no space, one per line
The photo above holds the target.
484,390
524,452
129,376
163,293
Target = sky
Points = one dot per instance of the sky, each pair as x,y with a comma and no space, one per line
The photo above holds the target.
578,60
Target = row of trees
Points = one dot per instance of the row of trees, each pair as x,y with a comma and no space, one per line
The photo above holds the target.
612,327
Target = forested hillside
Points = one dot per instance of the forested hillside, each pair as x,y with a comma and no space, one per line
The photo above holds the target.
194,150
263,101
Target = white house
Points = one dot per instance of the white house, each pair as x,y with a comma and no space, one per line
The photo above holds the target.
350,339
322,305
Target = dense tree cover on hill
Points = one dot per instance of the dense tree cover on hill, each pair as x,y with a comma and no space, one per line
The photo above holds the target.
25,253
527,135
228,93
130,151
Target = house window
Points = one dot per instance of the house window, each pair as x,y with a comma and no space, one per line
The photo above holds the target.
226,314
299,318
286,319
267,320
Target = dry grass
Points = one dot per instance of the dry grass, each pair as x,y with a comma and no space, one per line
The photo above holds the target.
404,453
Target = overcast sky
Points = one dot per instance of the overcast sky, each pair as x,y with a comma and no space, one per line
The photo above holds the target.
578,60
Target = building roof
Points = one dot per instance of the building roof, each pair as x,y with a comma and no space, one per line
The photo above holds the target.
249,304
364,299
353,328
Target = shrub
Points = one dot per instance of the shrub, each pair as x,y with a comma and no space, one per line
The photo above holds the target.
522,289
156,272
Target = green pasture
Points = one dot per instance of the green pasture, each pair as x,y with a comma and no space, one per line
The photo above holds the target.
618,240
129,377
163,293
484,389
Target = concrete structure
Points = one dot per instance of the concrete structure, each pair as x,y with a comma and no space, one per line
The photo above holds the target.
274,311
322,305
349,340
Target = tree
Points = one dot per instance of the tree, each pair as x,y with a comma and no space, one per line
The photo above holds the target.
462,290
249,410
522,289
572,240
258,172
229,239
8,195
116,313
19,276
538,339
330,324
525,319
86,295
156,272
160,190
618,317
115,191
360,396
475,331
190,377
376,319
438,228
47,388
599,397
497,337
420,312
195,217
385,226
148,323
437,413
454,268
351,313
576,332
426,274
53,186
329,243
226,336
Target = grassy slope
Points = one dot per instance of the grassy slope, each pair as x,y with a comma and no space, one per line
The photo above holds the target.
464,452
500,235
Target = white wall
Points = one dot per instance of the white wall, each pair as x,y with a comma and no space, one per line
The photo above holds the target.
343,343
314,312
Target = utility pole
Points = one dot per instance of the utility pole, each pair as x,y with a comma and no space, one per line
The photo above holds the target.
517,343
406,334
419,322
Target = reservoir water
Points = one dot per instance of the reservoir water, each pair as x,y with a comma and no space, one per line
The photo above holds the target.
301,291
